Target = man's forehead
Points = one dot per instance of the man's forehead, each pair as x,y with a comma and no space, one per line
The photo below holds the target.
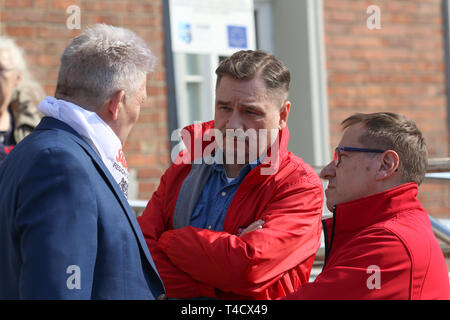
230,85
252,99
351,135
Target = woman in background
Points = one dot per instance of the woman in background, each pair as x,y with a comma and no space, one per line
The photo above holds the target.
19,96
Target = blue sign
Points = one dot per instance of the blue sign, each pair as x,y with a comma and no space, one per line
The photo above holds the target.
185,32
237,37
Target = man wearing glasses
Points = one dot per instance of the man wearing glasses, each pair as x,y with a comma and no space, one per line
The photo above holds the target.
379,243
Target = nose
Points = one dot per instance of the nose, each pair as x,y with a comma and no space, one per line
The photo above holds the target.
235,120
329,171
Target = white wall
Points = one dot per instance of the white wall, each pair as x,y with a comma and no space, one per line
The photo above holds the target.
298,42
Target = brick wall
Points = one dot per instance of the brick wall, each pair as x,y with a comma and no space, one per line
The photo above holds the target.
39,26
398,68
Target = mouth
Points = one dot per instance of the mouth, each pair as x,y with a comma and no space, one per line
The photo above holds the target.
329,189
330,184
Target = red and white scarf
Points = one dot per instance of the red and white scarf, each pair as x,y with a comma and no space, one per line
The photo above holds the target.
95,132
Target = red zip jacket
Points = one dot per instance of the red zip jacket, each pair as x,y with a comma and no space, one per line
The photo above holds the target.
263,264
383,247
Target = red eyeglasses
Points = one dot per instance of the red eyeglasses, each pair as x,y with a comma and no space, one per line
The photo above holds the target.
337,152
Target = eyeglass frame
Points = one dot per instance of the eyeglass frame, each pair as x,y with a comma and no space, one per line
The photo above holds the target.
339,149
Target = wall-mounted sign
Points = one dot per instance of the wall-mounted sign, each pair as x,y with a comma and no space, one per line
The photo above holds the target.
212,26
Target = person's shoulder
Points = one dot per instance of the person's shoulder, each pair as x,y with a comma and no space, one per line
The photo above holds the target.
376,245
177,172
297,170
413,228
52,139
55,150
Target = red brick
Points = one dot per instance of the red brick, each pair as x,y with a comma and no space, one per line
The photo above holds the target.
108,19
43,4
64,4
105,6
149,173
20,31
141,160
60,32
18,3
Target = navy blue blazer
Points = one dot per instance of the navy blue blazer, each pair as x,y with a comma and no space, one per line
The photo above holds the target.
66,229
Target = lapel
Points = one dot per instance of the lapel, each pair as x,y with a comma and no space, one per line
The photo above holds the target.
49,123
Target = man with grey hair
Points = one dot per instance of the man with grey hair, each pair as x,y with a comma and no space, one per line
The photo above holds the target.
66,229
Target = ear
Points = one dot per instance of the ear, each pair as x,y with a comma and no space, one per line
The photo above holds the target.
284,114
115,103
388,165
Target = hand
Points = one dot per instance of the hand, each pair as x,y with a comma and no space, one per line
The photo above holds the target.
252,227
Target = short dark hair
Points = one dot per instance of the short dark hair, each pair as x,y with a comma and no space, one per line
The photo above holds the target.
391,131
245,64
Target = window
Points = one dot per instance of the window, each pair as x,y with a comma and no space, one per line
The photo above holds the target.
195,82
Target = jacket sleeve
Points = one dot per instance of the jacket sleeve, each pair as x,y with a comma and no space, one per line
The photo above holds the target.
249,264
153,223
56,228
375,265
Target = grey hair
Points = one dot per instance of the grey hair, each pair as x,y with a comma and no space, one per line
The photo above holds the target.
28,87
101,61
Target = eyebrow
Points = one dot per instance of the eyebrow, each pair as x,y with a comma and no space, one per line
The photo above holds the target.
223,102
250,106
242,105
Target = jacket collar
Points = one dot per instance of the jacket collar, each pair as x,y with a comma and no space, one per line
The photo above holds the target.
363,212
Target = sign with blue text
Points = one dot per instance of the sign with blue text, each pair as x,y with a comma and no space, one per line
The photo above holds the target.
213,26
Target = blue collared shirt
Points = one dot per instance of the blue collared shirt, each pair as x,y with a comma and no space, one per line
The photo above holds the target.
216,197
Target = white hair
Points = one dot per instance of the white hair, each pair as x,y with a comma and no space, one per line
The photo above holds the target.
28,86
101,61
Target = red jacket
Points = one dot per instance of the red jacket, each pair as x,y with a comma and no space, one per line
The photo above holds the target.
383,247
263,264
